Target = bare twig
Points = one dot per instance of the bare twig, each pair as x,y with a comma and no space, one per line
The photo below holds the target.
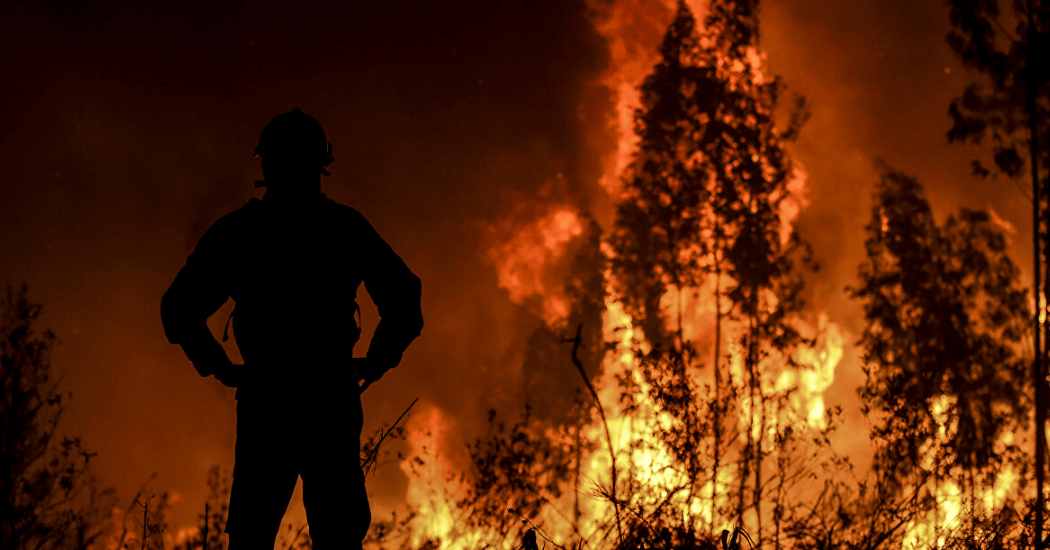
145,519
124,522
733,543
373,454
536,529
204,538
554,508
605,424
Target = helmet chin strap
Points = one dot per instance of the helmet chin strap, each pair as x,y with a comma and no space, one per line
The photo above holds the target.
290,187
292,179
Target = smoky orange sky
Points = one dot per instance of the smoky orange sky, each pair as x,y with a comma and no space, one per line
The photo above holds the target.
126,129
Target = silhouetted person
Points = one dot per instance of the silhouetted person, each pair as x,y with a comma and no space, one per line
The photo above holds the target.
292,263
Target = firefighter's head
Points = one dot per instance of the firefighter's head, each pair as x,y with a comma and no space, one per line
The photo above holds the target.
294,151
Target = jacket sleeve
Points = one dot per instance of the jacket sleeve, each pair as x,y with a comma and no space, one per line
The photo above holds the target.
198,291
396,292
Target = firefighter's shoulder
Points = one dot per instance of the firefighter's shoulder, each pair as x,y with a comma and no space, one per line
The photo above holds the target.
347,214
234,223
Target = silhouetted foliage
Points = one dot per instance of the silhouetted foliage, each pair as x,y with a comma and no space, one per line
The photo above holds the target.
658,240
869,514
704,209
48,499
995,39
517,471
145,522
945,320
212,534
1006,109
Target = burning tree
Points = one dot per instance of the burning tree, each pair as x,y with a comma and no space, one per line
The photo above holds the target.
705,213
535,463
658,248
702,238
946,388
1007,108
704,406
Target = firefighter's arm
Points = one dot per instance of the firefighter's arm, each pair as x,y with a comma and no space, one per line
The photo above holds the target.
396,292
197,292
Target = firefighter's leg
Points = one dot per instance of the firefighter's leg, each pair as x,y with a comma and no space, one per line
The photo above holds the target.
264,474
333,485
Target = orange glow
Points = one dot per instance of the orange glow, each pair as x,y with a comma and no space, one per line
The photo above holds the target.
433,486
632,31
527,259
526,250
489,145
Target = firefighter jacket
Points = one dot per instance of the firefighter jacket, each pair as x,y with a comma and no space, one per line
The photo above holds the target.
292,266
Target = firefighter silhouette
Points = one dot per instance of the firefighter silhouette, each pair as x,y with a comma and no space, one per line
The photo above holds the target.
292,263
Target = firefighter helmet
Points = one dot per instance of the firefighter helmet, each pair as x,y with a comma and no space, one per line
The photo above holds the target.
296,139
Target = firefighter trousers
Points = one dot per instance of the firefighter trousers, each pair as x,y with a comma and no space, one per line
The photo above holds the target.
286,433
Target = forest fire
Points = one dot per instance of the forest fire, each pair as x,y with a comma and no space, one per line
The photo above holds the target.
671,318
759,438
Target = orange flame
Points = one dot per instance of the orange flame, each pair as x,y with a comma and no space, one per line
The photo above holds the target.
527,257
528,250
434,485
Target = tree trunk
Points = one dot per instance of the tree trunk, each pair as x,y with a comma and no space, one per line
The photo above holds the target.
717,409
1039,379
